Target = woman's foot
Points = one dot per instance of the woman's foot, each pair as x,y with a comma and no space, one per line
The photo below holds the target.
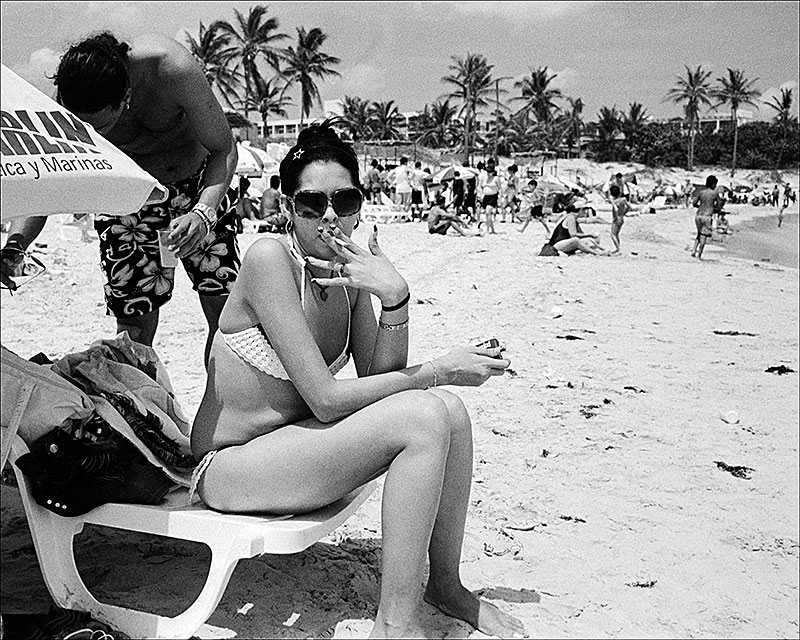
481,614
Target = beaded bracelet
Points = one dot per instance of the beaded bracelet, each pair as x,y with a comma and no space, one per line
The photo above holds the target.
399,305
392,327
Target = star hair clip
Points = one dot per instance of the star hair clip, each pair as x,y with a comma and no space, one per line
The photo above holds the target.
298,153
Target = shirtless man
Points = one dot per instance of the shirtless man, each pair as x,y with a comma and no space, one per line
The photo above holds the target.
152,101
707,202
439,221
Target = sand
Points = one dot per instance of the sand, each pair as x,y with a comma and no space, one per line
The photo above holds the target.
598,508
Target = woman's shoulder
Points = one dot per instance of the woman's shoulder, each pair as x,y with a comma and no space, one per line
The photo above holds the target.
266,251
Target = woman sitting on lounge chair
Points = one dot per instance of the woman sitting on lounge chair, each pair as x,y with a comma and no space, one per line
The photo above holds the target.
277,432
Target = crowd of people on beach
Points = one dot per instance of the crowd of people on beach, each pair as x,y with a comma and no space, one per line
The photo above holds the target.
276,429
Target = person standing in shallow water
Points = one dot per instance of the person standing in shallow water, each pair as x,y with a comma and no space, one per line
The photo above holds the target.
152,101
278,431
707,201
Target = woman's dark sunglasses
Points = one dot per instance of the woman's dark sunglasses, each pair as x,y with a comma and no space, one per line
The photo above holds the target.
314,204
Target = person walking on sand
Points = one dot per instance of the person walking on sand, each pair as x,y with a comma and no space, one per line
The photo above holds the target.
707,202
151,99
533,206
491,191
619,207
417,190
511,199
402,184
373,182
277,431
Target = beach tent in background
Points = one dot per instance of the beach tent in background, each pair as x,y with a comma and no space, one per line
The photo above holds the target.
53,163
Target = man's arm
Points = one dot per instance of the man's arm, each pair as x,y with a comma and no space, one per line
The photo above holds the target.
21,233
192,93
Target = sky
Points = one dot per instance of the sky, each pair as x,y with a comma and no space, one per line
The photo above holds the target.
606,53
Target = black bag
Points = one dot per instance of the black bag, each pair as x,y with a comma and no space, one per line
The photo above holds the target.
70,476
548,250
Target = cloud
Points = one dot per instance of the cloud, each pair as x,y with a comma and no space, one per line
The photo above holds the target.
363,80
775,92
567,79
40,64
515,10
123,16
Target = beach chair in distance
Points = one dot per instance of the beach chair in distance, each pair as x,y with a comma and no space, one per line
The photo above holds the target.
230,537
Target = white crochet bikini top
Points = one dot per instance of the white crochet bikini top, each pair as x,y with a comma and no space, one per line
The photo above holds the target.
252,346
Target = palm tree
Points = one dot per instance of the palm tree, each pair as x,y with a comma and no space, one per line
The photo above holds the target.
538,95
694,92
253,43
735,90
472,79
383,117
355,114
214,53
571,123
269,96
438,124
307,62
783,116
608,128
632,123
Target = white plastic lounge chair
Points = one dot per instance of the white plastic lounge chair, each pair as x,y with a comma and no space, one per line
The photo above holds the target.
230,538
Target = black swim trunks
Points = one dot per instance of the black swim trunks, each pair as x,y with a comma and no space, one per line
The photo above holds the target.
136,283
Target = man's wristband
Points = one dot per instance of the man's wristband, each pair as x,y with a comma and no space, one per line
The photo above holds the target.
206,214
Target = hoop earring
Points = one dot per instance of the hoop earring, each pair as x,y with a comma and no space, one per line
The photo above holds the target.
358,220
289,227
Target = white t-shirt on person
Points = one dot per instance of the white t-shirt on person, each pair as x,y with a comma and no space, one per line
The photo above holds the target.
402,179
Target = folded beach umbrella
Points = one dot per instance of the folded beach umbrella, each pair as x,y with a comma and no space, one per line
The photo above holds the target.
53,163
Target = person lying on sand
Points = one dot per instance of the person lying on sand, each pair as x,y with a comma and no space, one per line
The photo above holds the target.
276,431
569,238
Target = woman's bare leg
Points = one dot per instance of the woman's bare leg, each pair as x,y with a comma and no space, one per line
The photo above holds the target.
444,589
571,245
305,466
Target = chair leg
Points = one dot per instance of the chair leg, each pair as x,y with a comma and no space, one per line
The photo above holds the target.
53,541
141,624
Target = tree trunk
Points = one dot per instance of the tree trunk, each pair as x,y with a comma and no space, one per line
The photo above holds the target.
735,141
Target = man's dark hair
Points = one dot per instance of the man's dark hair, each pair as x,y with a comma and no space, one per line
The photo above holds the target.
403,160
93,74
374,163
711,182
275,181
417,164
614,191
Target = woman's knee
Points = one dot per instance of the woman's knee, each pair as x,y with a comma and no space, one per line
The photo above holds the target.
458,416
426,420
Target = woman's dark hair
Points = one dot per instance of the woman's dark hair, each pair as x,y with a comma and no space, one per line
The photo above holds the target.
614,190
711,182
274,181
317,143
93,74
